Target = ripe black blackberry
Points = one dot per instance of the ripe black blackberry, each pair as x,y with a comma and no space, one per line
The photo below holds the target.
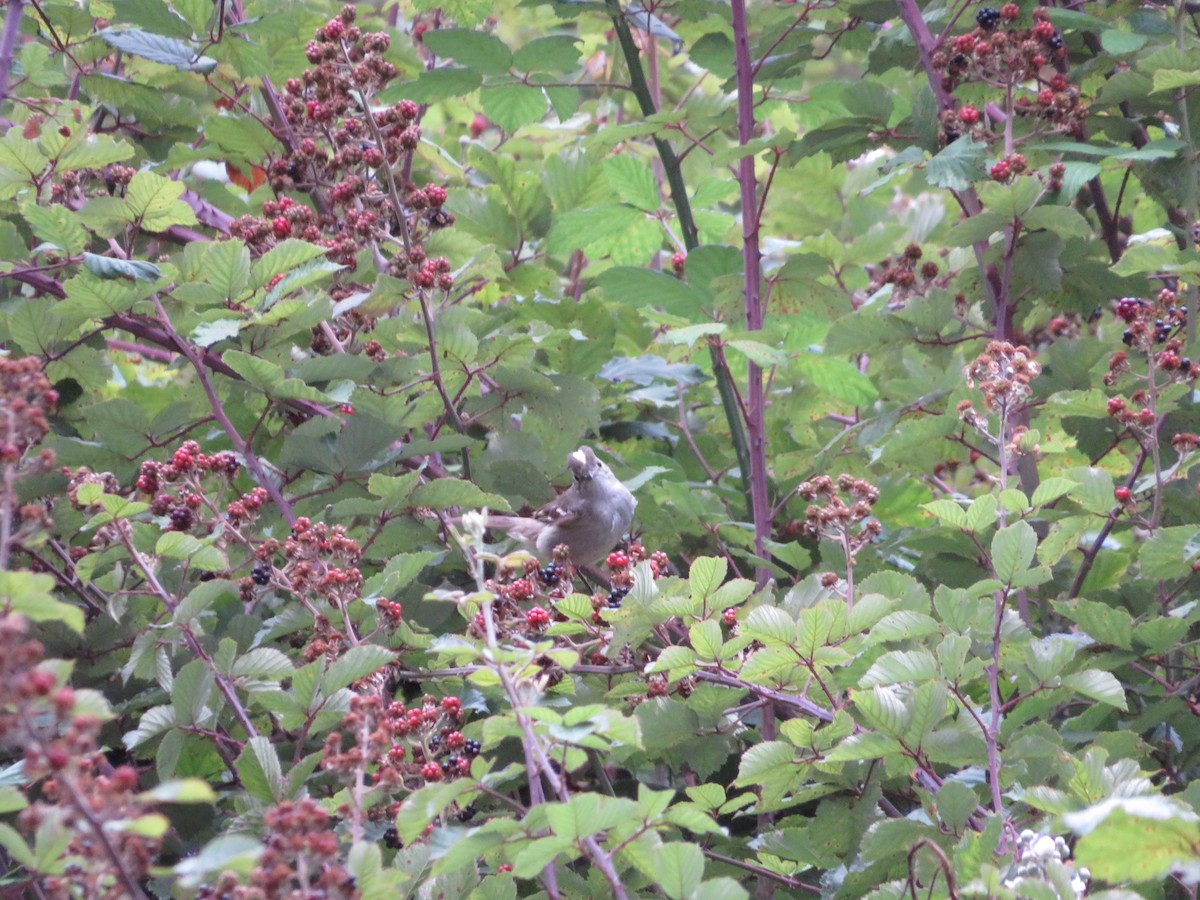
181,518
261,574
472,748
1055,42
615,596
988,18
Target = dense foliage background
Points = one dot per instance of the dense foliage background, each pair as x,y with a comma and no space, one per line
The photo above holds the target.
884,311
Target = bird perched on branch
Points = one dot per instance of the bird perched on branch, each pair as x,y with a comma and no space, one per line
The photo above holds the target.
589,517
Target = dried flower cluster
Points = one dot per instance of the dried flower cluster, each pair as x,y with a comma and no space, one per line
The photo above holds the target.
841,511
908,275
1002,373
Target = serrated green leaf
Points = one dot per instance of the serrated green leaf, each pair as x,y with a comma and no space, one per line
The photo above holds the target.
227,267
161,49
679,869
259,770
1097,685
957,165
109,267
56,225
900,666
263,663
949,511
512,106
154,201
1013,549
356,663
1050,489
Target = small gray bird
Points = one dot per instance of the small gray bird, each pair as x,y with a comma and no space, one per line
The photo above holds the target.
590,516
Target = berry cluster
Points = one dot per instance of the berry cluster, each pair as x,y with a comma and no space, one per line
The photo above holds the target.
908,276
180,489
80,795
301,856
26,400
401,747
72,188
1010,58
829,516
345,152
322,561
1151,324
546,585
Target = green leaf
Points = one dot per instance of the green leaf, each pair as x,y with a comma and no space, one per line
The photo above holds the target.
1050,489
56,225
262,663
1170,552
442,83
109,267
957,165
633,181
1098,685
443,493
183,790
356,663
706,640
154,200
581,229
15,846
227,267
259,770
1013,549
158,48
478,49
28,594
949,511
1061,220
513,105
900,666
1139,839
679,869
284,257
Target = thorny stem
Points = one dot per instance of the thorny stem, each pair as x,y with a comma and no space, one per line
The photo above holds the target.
8,42
1190,160
968,200
943,864
691,238
760,503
